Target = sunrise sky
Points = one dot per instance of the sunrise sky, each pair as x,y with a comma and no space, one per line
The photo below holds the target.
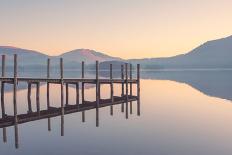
122,28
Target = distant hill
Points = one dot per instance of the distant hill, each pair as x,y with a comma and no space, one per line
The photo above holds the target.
25,57
34,59
212,54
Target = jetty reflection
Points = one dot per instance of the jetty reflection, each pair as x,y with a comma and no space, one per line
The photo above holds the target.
9,121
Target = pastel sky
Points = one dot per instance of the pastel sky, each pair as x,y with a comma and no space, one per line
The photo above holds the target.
123,28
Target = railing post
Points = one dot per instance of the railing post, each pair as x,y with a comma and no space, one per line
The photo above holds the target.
48,85
138,89
37,97
126,90
29,97
111,89
97,85
3,87
122,77
83,84
83,88
67,94
97,94
62,84
131,88
15,88
77,94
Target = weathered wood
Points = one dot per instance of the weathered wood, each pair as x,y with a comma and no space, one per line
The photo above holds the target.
97,84
29,97
62,85
38,97
15,88
48,85
131,88
77,94
138,89
126,71
3,87
122,77
83,88
111,89
67,94
83,84
53,112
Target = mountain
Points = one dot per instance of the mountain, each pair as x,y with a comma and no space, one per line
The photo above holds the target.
34,59
89,56
212,54
25,57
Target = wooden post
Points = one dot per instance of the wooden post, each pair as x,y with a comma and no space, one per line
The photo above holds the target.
111,89
15,88
48,86
97,85
83,88
29,97
3,87
37,97
67,94
62,85
83,84
122,77
77,94
131,88
138,89
126,90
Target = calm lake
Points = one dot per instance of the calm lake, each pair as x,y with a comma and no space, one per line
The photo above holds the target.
185,112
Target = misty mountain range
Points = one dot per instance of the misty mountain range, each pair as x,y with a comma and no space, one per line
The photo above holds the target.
212,54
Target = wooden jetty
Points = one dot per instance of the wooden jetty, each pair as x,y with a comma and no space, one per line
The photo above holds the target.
126,97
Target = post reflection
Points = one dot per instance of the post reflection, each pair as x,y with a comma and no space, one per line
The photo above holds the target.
8,121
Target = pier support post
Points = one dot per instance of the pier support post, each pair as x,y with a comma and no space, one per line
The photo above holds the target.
67,93
97,85
62,85
62,95
2,97
77,94
15,88
138,89
48,85
3,87
29,97
131,88
122,95
97,94
111,89
37,97
83,88
126,90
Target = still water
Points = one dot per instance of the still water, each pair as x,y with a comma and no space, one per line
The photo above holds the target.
177,118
